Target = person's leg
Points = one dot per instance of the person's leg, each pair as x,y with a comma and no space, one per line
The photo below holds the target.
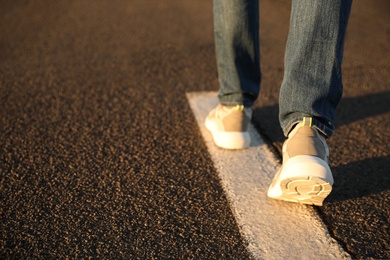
236,34
310,92
312,84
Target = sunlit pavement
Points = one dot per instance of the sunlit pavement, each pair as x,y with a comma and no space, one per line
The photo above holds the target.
102,156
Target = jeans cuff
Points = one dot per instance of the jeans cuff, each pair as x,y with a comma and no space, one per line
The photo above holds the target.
233,104
235,99
326,129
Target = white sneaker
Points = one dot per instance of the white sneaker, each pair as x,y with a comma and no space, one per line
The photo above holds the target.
229,126
304,176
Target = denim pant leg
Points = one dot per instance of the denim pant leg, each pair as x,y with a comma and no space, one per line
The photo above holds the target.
236,34
312,84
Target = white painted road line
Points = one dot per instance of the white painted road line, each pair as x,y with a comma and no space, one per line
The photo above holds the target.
272,229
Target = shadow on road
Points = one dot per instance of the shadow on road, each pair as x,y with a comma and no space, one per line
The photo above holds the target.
353,181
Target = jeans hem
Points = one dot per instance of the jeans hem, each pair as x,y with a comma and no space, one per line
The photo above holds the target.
232,104
326,129
234,100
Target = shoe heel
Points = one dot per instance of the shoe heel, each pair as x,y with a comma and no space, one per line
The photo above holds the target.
304,179
232,140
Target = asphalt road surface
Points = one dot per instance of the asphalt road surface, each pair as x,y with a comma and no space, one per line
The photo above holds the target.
100,154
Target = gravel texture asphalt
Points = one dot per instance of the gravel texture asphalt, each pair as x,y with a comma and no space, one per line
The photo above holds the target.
101,157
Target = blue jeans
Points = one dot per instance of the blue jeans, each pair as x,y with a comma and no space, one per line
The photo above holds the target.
312,83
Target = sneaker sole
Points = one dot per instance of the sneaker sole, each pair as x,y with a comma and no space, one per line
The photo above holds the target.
309,190
228,140
303,179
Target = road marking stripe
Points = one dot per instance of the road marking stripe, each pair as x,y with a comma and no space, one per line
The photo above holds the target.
272,229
